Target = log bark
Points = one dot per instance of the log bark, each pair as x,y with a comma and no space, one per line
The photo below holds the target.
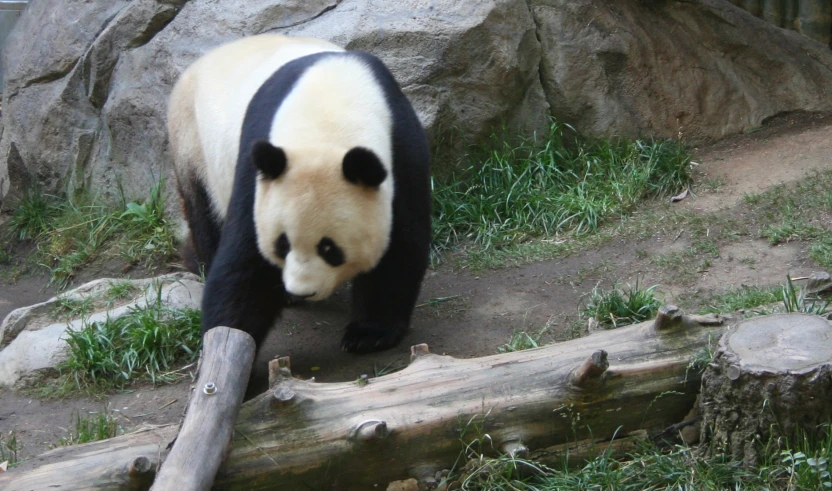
413,423
770,382
205,437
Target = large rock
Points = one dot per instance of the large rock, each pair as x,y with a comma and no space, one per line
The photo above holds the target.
84,102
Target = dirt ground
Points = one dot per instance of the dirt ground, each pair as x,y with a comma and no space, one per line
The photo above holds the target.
464,314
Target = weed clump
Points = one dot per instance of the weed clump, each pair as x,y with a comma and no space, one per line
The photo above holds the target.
621,307
73,231
146,343
541,188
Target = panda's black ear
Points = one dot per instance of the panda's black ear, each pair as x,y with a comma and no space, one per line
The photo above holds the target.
269,159
362,166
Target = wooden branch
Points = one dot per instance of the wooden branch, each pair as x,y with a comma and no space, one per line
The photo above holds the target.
205,437
415,422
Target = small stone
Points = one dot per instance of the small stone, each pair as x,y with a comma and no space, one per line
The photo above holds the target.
406,485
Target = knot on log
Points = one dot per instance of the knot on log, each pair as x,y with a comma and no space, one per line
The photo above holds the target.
668,317
418,350
372,429
139,467
591,370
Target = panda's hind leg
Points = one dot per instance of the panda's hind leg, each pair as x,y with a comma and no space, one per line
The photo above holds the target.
204,230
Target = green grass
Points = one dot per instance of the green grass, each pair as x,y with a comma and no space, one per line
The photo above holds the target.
10,448
147,343
804,466
621,307
121,290
96,426
741,298
795,301
512,193
70,232
67,308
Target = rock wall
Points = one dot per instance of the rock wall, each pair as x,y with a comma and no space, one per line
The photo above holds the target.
87,80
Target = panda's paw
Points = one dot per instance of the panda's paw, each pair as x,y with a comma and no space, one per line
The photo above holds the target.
364,337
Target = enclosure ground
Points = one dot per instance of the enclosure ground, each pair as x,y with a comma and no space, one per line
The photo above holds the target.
470,314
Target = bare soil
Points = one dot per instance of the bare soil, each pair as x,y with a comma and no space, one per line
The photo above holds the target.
466,314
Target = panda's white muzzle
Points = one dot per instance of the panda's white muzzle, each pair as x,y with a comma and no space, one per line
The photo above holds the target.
310,279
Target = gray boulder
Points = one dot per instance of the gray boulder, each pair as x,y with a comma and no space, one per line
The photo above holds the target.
87,80
33,338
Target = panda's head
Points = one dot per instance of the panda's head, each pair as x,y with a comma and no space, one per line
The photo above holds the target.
323,215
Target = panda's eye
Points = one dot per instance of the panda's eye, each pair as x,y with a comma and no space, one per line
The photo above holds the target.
330,252
282,246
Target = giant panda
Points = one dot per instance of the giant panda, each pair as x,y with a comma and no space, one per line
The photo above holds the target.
300,166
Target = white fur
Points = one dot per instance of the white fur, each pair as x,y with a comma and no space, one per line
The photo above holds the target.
335,106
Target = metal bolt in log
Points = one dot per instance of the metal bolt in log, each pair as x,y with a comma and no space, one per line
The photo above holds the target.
282,395
203,440
591,370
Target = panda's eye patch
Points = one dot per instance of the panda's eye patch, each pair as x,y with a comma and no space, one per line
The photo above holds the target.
282,246
330,252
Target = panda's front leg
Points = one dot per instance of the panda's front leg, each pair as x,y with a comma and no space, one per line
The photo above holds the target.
383,301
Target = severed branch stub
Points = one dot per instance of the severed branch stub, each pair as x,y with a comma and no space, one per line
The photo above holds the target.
279,368
418,350
591,370
668,317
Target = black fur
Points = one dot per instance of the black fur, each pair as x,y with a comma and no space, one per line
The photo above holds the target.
244,291
270,160
362,166
204,227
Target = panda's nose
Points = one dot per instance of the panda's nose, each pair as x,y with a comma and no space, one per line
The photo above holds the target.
299,298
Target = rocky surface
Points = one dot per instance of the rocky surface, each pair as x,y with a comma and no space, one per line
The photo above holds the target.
33,337
85,104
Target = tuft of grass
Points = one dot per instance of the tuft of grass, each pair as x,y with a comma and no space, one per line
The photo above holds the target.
33,215
96,426
148,233
146,343
794,300
72,308
621,307
72,231
543,188
742,298
10,448
120,291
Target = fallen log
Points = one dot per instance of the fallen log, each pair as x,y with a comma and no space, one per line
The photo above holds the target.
415,422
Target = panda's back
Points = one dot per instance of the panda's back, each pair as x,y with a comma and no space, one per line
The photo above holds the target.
223,83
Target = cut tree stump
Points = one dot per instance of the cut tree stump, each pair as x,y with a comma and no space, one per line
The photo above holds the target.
414,423
770,382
